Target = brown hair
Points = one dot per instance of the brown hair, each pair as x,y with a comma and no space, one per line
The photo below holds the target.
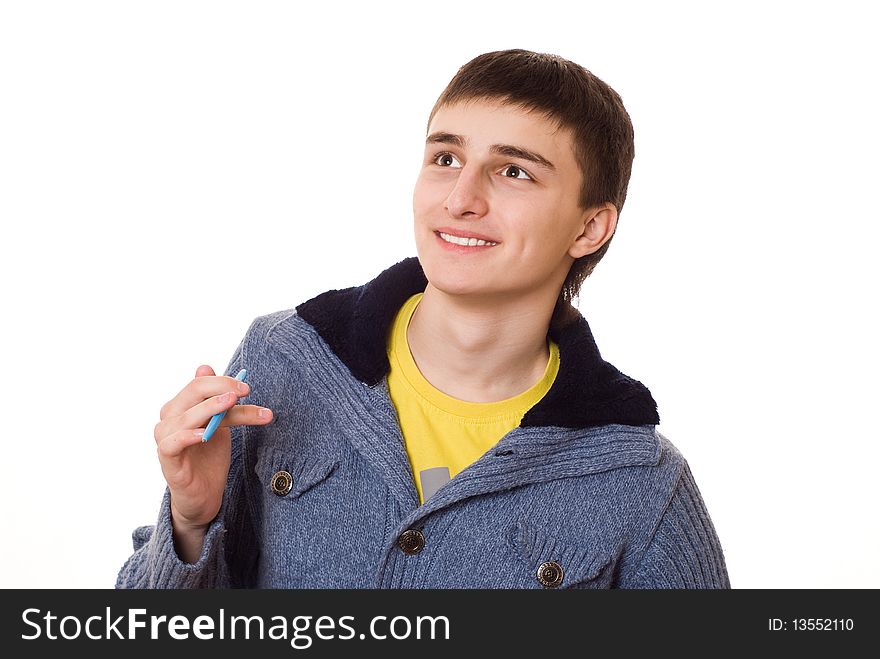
574,98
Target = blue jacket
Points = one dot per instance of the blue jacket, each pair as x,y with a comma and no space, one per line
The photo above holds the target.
585,493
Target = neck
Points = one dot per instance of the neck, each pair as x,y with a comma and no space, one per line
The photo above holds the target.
480,350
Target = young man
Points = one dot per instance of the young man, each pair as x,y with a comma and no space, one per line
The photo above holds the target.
451,423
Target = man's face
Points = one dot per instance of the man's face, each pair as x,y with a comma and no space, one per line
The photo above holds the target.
493,171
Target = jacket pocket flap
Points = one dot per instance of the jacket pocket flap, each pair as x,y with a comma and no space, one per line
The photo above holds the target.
580,563
304,473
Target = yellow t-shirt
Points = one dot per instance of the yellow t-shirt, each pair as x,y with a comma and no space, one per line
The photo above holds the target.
444,435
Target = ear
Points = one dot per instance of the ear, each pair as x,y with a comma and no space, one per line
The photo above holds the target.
598,226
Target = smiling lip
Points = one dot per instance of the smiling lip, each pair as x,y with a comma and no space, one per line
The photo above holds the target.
462,234
461,249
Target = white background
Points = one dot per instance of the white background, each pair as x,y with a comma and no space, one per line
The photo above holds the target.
170,170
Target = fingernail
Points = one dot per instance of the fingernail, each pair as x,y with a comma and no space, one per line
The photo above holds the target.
263,413
243,388
199,432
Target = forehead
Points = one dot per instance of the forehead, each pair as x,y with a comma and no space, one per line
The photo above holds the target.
484,122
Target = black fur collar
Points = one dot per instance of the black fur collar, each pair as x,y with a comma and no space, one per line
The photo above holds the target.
588,391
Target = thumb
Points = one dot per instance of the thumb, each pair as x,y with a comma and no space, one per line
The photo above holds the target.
203,370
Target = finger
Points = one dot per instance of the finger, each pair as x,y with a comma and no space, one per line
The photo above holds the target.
199,389
199,415
172,446
247,415
204,370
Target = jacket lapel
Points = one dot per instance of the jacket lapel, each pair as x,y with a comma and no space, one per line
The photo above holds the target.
587,392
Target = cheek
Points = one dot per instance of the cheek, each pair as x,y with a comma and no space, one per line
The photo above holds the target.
423,198
431,190
542,231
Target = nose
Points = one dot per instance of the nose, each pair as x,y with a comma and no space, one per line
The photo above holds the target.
468,197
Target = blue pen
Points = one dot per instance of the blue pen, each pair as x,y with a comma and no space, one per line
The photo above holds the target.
217,418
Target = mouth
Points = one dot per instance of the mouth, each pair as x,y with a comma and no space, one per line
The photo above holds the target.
467,242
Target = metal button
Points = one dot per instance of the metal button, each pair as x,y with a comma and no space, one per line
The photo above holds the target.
282,481
550,574
411,541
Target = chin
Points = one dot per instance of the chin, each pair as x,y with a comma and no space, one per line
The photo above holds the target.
447,278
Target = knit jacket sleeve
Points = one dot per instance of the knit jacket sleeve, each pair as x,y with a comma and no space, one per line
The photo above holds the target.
684,552
226,559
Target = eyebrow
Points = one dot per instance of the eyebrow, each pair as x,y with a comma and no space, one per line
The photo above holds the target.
508,150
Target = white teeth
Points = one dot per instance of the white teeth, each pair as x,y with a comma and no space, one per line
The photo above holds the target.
470,242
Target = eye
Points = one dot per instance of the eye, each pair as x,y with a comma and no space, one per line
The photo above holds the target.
444,160
516,171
